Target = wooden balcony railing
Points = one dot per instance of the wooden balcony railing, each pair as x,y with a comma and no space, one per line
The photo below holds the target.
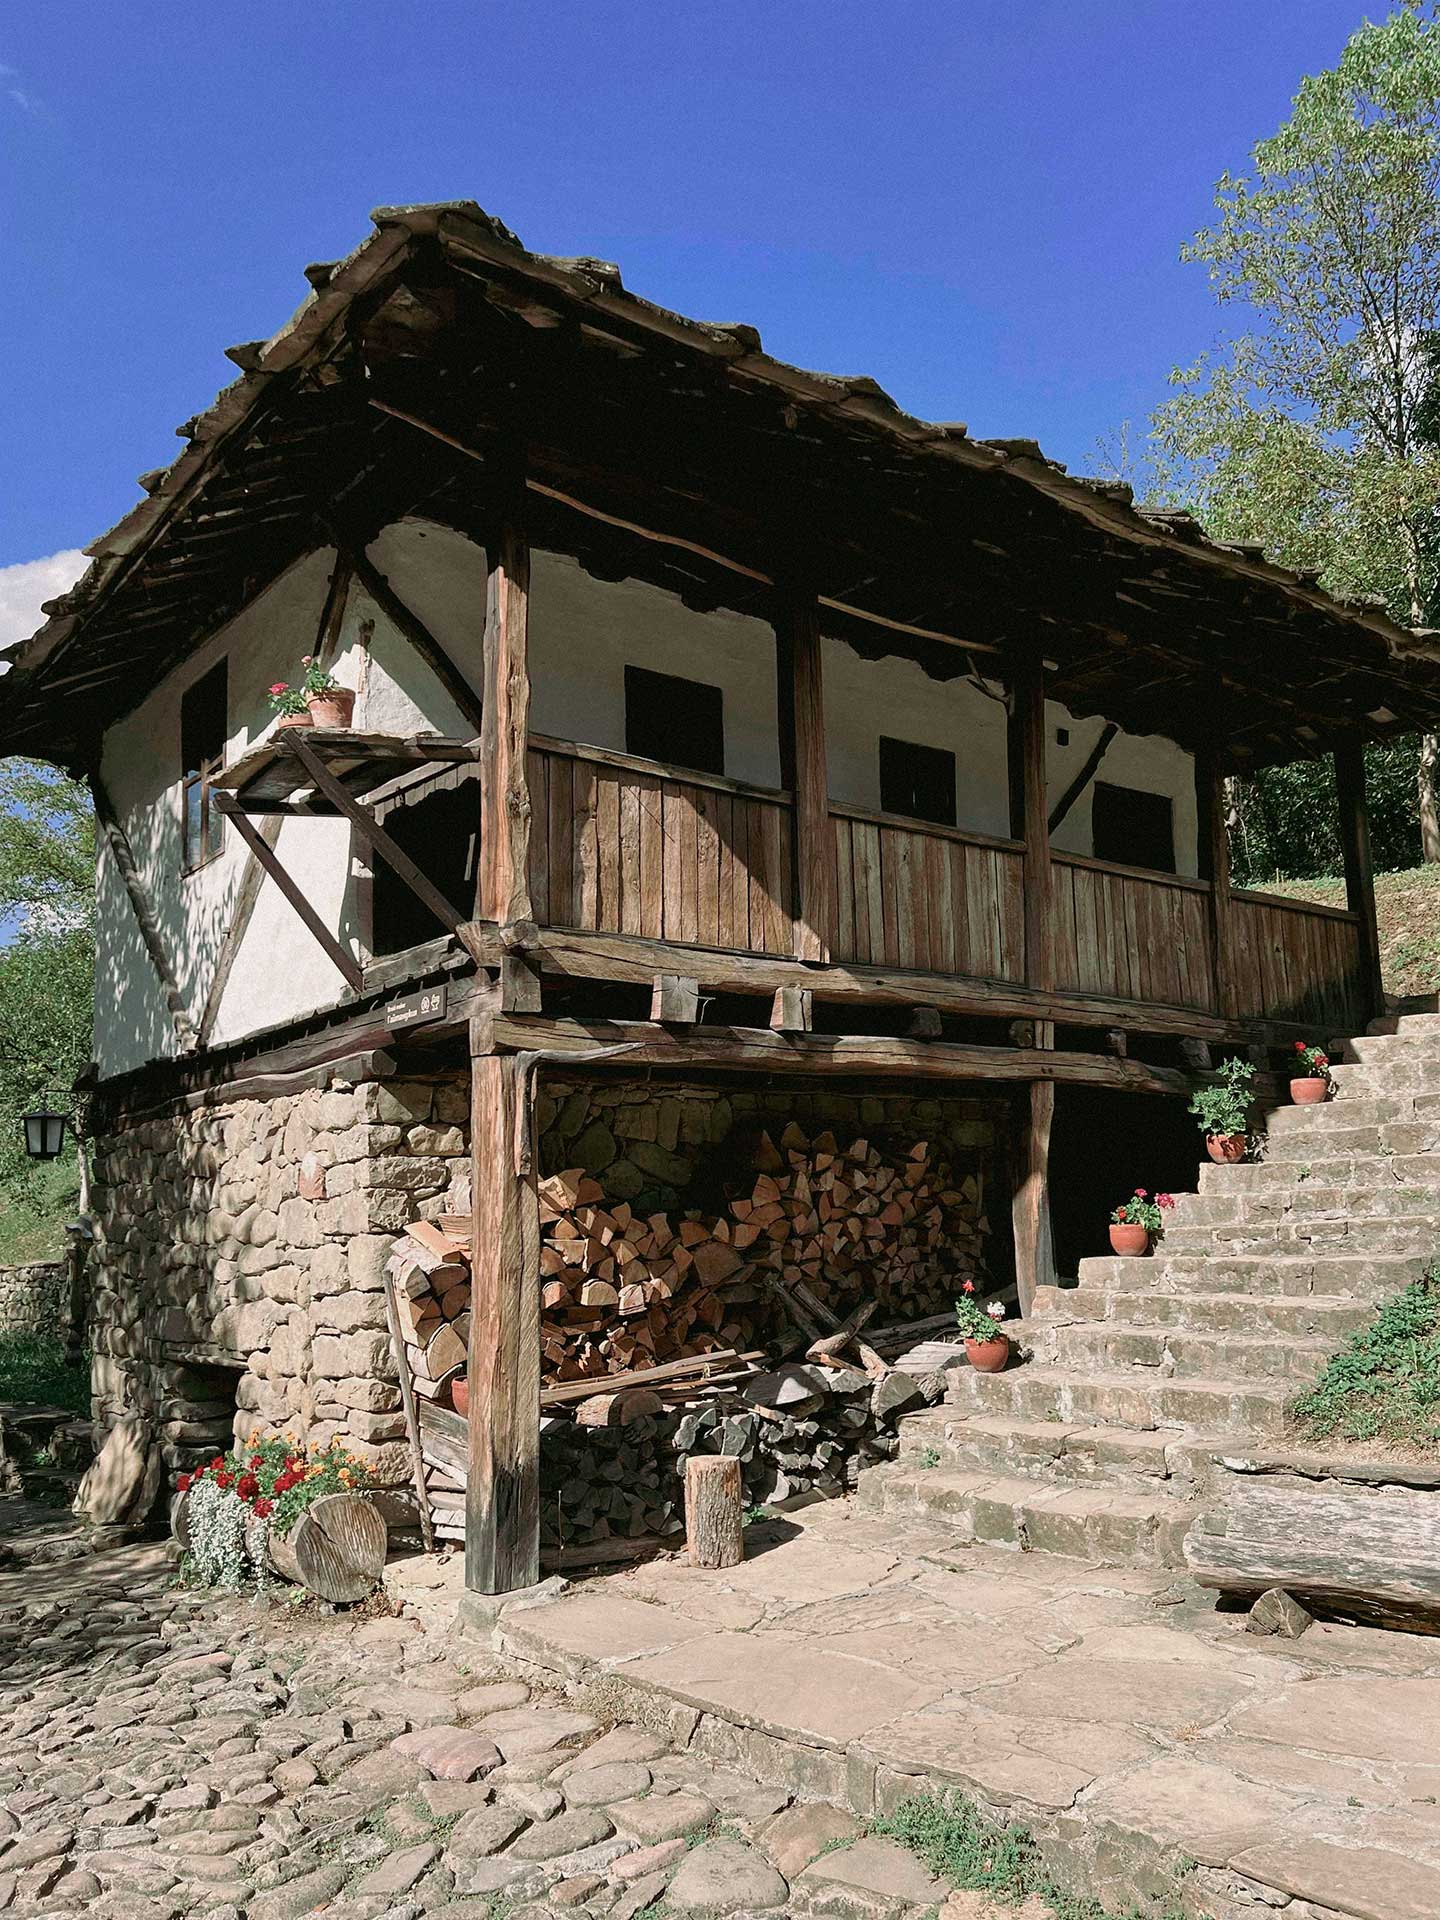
1294,960
913,895
628,846
1129,934
621,845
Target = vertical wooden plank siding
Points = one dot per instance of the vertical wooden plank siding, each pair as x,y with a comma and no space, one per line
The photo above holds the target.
1292,961
502,1496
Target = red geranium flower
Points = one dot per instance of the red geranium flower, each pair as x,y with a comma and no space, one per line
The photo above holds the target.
247,1486
182,1484
1299,1046
264,1508
1164,1199
1140,1193
217,1465
967,1286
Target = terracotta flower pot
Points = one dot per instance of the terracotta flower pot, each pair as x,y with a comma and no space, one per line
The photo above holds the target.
335,709
1310,1091
989,1356
294,720
460,1395
1226,1148
1129,1239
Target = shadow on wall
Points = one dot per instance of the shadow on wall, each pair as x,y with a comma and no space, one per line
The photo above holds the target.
1104,1145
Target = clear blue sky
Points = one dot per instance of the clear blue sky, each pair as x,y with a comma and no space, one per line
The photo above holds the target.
978,202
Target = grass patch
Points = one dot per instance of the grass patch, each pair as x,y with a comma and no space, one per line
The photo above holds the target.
1407,906
964,1846
1384,1384
33,1368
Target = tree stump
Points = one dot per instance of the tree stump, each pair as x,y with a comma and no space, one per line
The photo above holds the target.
336,1548
714,1522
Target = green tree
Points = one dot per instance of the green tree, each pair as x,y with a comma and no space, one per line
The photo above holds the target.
47,954
1314,431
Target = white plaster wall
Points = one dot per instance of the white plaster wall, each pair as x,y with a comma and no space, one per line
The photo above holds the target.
585,632
1148,762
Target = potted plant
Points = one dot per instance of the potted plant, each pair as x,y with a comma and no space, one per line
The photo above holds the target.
270,1504
987,1346
1223,1109
289,703
1137,1221
1311,1084
330,704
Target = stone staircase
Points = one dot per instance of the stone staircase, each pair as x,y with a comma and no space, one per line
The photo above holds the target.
1102,1443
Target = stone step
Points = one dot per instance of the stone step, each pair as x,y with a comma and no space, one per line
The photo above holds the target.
1168,1458
1356,1236
1416,1133
1328,1165
1406,1073
1356,1110
1181,1354
1104,1526
1399,1190
1346,1274
1144,1401
1329,1317
1408,1022
1381,1049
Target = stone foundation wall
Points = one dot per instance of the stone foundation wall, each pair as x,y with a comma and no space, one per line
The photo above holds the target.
35,1298
237,1270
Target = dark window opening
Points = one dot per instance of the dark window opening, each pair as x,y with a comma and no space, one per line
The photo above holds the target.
204,726
679,721
917,781
439,832
1132,828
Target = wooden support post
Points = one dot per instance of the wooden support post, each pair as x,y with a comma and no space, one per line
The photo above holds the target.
801,689
1212,845
1029,819
714,1510
118,841
925,1024
674,1000
792,1010
519,984
503,869
1030,1205
1359,870
502,1494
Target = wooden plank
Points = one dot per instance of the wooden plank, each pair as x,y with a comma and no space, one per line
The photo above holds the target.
1010,903
889,898
900,854
617,833
503,892
686,845
1213,849
644,769
537,767
650,868
798,652
1359,873
732,874
407,1402
869,894
114,836
672,900
780,896
345,962
585,854
843,945
502,1494
559,836
707,866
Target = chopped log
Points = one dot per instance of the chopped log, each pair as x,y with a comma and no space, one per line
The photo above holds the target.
1344,1550
336,1548
714,1511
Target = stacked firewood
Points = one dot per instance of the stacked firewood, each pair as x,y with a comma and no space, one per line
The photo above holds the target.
431,1271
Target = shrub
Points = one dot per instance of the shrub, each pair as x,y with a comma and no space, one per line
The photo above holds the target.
1384,1384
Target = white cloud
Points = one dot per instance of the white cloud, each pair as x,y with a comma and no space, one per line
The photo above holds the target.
27,583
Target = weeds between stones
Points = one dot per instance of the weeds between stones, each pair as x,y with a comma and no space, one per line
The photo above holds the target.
1384,1383
959,1843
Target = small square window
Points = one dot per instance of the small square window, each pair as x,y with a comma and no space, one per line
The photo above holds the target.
917,781
679,721
1133,828
204,728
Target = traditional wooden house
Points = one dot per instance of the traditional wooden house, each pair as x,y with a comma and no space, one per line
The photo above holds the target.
729,746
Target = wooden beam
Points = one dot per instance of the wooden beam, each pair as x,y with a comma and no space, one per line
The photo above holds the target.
675,1000
792,1010
801,701
118,841
1086,774
1030,1206
1029,818
252,880
1359,869
413,629
1212,843
373,834
261,850
503,869
502,1493
761,1049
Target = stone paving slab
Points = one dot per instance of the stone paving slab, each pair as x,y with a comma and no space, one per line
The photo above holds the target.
1145,1738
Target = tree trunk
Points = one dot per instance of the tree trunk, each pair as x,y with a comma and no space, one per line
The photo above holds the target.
714,1512
336,1548
1425,781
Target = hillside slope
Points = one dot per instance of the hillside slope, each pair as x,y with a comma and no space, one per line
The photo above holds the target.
1408,907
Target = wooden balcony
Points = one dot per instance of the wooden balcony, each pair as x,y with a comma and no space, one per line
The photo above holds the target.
626,846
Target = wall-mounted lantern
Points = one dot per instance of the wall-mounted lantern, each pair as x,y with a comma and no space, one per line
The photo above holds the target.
44,1133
